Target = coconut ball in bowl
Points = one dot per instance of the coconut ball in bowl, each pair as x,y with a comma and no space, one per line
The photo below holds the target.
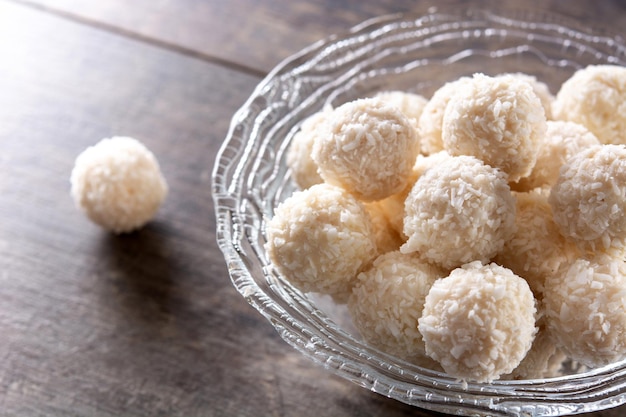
368,147
479,322
585,307
562,140
387,302
500,120
431,119
299,160
540,88
320,239
393,206
410,104
589,198
595,96
458,211
536,249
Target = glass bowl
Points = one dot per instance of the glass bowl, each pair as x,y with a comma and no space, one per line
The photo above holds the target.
398,52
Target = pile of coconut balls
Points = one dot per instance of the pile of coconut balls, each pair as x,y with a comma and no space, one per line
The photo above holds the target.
481,232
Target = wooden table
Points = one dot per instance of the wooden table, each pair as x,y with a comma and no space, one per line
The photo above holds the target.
148,324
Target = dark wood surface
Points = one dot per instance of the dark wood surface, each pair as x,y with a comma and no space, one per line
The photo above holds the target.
148,324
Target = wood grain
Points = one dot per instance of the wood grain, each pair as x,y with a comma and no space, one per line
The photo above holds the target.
148,324
257,34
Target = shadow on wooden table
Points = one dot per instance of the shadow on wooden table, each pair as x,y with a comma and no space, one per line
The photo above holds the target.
141,266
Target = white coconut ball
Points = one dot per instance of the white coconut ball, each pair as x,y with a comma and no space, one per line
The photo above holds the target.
585,305
589,198
458,211
500,120
387,302
410,104
562,141
369,149
595,97
299,160
387,237
320,239
536,249
118,184
543,360
540,88
393,206
479,322
431,120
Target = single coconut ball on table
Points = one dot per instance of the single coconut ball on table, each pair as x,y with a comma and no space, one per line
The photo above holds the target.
536,249
500,120
589,198
431,119
585,307
458,211
368,148
562,141
118,184
319,239
299,160
387,302
479,322
595,97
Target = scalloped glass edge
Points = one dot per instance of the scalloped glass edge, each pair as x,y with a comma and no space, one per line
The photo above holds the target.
391,52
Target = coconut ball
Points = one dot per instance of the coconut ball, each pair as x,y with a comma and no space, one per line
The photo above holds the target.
386,236
595,97
393,206
368,148
118,184
431,119
543,360
299,160
458,211
540,88
393,209
387,302
536,249
479,322
562,140
320,239
589,198
500,120
585,305
410,104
